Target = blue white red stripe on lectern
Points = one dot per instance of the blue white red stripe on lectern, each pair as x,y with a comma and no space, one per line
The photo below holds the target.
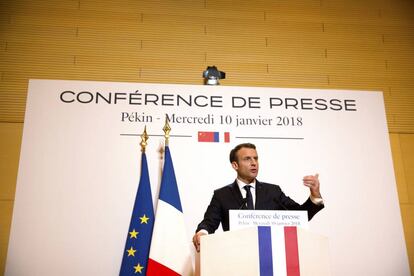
278,251
265,251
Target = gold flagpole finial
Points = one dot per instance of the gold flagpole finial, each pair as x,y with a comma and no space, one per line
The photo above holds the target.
144,138
167,130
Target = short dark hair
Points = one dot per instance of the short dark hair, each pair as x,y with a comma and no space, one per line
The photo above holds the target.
233,152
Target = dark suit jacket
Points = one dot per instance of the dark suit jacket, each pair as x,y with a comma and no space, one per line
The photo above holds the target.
268,197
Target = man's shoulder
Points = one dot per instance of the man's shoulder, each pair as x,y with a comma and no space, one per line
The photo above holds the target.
228,187
266,186
265,183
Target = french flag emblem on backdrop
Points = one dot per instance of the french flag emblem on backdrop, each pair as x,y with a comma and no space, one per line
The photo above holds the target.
213,136
265,251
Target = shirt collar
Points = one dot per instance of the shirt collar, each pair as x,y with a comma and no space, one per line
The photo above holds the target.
241,184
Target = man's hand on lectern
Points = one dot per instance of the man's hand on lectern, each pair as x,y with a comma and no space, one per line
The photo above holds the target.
196,239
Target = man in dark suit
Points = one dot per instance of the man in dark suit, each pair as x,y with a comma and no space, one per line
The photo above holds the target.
248,193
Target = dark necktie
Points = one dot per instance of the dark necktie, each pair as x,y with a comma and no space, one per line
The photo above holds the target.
249,197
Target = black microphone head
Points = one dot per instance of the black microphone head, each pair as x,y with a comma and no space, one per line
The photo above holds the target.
244,203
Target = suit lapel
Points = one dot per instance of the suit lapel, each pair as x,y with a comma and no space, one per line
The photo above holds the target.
260,195
235,191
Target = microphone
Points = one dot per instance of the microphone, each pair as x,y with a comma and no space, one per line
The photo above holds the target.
243,205
280,204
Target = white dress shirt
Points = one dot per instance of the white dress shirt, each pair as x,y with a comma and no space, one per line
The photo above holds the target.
241,185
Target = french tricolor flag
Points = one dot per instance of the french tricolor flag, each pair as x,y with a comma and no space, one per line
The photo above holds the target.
213,136
170,246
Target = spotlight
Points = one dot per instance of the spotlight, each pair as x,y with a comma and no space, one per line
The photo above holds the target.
212,75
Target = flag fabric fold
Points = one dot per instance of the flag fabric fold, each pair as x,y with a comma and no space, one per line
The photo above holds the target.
138,242
170,246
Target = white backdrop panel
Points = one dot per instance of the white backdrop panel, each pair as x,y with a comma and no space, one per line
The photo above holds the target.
80,161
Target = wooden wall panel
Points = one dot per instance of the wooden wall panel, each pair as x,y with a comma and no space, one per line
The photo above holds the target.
359,40
11,134
399,169
407,213
6,211
407,149
402,146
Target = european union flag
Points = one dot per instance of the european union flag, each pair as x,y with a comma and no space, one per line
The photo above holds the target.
137,246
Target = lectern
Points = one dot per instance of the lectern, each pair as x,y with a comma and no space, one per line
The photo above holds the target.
264,251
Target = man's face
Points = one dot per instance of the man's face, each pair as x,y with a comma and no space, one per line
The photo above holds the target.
247,165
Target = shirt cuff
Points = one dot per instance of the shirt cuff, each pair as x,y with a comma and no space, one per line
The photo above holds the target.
316,200
203,231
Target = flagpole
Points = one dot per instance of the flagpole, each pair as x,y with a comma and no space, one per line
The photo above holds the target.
144,139
167,130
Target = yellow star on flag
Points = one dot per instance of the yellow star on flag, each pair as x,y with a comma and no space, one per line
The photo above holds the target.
131,252
144,219
138,268
133,234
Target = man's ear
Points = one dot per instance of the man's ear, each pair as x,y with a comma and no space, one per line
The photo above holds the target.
235,165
